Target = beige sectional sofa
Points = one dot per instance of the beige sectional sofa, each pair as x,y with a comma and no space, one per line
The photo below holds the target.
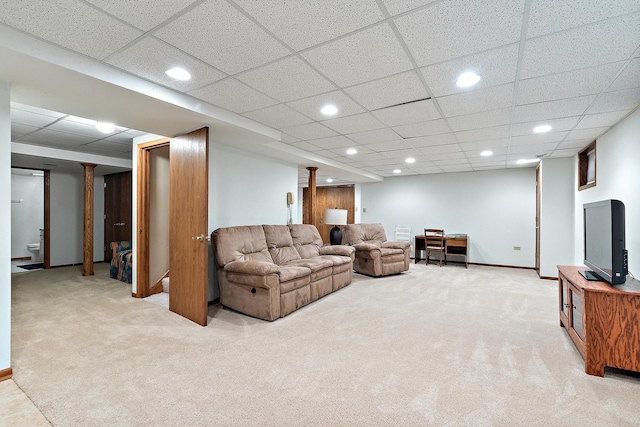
269,271
374,255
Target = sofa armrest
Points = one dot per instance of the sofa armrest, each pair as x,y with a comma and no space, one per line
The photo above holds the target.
342,250
366,247
397,245
258,268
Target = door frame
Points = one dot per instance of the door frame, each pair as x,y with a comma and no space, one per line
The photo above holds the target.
143,214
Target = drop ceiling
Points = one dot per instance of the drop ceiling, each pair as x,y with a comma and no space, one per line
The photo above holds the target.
389,66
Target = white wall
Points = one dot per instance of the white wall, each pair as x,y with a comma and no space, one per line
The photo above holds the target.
67,218
5,227
247,189
496,209
27,217
617,177
556,215
158,213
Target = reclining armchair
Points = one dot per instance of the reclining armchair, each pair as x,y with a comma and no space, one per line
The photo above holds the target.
374,255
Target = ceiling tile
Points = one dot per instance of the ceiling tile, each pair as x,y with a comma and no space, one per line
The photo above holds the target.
405,114
440,158
85,27
288,139
389,91
616,101
457,28
150,58
591,133
557,125
144,14
601,119
595,44
310,107
441,149
303,145
629,78
309,131
571,84
123,138
475,101
305,23
353,124
77,128
372,136
56,139
234,96
482,119
389,146
332,142
491,144
549,16
538,138
427,141
552,109
228,33
18,130
368,55
496,132
403,154
574,144
287,80
16,106
395,7
32,118
278,116
495,67
533,150
569,152
431,127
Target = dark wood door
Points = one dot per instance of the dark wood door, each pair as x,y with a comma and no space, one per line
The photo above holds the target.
188,225
329,197
117,210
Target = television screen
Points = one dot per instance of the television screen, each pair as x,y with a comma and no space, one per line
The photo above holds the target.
604,241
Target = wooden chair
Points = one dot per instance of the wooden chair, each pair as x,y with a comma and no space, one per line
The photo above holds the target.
434,242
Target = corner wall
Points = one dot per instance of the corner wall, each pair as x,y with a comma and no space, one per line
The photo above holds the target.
617,177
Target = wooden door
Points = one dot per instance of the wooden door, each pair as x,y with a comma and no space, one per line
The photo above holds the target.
188,228
330,197
117,210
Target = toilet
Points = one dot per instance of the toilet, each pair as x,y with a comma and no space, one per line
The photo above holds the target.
34,249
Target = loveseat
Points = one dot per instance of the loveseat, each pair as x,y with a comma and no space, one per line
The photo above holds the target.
374,255
269,271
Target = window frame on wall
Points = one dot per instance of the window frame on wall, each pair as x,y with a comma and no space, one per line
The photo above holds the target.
587,167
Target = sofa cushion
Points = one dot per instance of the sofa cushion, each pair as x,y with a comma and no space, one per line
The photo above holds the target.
364,233
242,243
294,277
306,240
280,244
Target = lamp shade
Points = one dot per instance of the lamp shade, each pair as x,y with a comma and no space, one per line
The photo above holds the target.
335,216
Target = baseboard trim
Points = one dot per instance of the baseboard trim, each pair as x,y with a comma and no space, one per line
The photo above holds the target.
503,266
23,258
6,374
548,278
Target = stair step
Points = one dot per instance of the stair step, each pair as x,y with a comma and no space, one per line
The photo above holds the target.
165,285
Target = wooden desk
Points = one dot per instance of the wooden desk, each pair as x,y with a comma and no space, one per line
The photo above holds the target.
454,245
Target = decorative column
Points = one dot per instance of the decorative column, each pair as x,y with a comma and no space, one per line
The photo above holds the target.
312,195
87,239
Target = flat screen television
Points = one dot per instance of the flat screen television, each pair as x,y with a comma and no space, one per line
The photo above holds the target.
604,242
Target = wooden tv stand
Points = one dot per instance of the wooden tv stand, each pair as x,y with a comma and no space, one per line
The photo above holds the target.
602,320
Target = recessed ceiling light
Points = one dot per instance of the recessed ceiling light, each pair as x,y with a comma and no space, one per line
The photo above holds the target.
329,110
410,160
526,161
178,73
105,127
468,79
352,151
486,153
329,180
397,171
542,129
40,173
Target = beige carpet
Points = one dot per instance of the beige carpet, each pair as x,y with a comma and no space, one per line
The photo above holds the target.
434,346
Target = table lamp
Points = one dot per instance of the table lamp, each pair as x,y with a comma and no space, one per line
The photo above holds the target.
335,217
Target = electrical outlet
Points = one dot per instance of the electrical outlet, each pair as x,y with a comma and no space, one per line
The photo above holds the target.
516,248
364,210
